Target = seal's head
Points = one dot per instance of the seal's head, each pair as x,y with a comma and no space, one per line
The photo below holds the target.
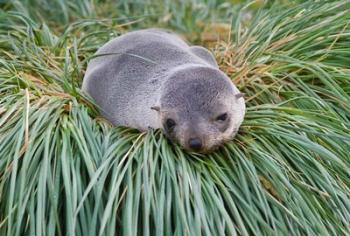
200,108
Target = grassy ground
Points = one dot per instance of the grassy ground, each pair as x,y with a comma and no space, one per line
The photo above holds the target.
66,171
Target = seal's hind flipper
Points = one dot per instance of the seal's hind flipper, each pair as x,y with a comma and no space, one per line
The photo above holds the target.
204,54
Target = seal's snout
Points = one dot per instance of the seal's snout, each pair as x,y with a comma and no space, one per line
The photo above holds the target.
195,144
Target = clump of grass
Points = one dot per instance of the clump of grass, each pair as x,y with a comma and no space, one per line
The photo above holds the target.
65,171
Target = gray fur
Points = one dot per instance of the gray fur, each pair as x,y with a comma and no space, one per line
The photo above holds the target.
155,68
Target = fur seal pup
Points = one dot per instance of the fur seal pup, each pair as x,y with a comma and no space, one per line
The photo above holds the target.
153,79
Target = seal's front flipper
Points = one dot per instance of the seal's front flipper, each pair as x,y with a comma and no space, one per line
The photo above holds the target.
155,108
204,54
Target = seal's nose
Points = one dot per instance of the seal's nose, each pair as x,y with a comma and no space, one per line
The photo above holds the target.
195,144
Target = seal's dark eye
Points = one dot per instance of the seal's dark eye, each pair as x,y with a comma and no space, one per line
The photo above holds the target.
222,117
170,123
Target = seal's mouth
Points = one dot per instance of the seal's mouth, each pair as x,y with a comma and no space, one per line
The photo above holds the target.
202,150
205,150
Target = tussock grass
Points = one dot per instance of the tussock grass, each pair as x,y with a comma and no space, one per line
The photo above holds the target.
66,171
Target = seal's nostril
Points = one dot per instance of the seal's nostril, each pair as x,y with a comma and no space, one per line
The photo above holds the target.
195,143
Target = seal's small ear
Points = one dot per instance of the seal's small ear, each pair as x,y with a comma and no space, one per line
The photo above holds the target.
239,95
156,108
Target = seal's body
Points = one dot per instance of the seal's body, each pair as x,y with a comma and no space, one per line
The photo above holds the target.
191,99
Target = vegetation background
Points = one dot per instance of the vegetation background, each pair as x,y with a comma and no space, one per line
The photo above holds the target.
66,171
